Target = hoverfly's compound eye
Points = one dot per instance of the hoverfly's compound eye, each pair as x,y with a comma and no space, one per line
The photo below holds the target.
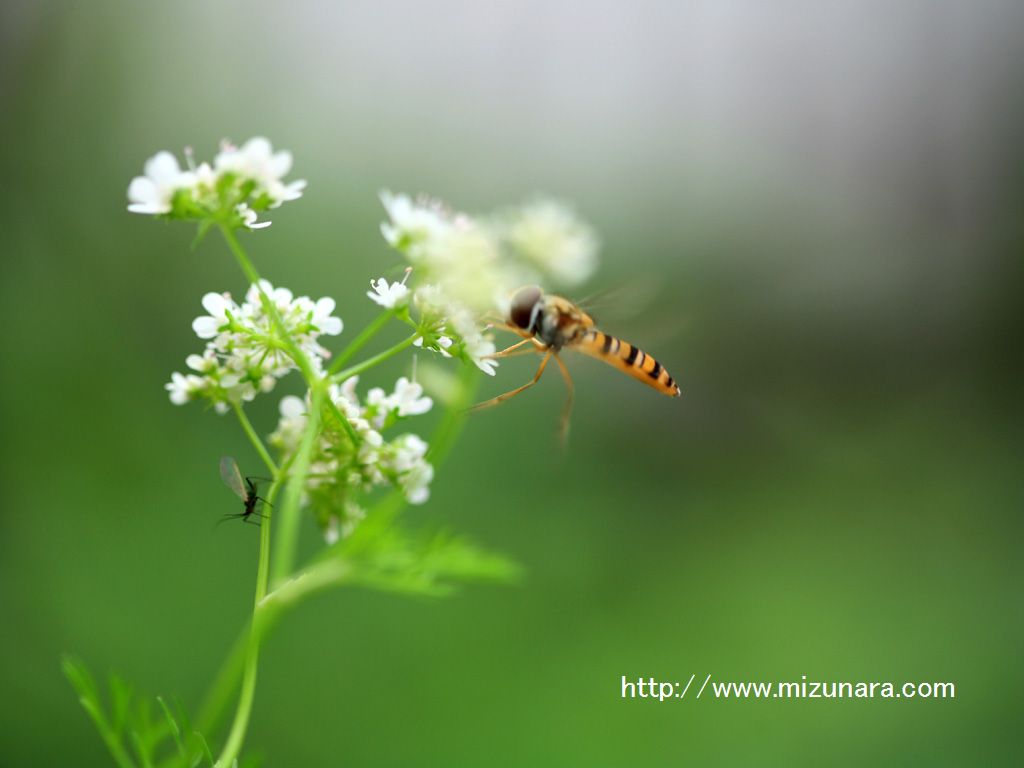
522,310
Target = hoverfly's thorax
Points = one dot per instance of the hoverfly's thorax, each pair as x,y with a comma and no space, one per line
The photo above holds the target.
547,328
561,322
552,320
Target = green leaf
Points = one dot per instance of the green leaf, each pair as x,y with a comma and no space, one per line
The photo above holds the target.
173,724
142,749
88,696
131,726
205,748
120,701
392,560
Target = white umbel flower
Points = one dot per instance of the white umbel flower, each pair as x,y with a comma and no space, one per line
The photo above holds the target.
341,470
414,226
550,236
245,353
154,192
256,161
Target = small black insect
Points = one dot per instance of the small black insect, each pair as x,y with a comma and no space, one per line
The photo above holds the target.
244,488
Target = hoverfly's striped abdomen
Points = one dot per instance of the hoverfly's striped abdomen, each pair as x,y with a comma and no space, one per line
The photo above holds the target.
631,360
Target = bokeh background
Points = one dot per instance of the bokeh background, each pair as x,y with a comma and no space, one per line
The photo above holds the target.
824,202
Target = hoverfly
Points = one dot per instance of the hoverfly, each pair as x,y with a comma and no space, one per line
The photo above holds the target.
552,323
246,491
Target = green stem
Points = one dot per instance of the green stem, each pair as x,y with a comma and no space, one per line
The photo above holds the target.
245,698
264,619
267,614
255,440
212,709
340,417
288,534
269,307
360,341
293,349
313,579
357,369
448,431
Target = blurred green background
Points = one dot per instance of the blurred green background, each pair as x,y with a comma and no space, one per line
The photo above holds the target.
827,197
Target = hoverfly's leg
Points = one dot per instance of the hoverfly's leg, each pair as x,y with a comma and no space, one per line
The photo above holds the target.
570,396
512,393
519,352
515,349
509,351
512,329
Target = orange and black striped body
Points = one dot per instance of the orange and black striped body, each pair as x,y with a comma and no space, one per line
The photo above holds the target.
555,323
631,360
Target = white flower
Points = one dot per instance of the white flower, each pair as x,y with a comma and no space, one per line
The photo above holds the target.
437,344
408,399
406,458
206,177
454,323
414,226
408,450
467,265
475,344
322,318
221,308
416,483
292,423
340,470
548,235
245,352
388,295
348,391
479,350
154,192
382,408
304,320
183,388
249,217
256,161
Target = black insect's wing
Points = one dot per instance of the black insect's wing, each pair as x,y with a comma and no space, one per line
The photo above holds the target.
232,477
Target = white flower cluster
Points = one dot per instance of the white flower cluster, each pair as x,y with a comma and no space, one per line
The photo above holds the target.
245,352
467,267
547,235
242,180
340,470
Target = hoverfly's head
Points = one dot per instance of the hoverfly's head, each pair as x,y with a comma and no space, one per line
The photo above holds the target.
526,306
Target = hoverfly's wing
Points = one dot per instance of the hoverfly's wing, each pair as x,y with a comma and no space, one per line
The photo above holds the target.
639,308
623,300
232,477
